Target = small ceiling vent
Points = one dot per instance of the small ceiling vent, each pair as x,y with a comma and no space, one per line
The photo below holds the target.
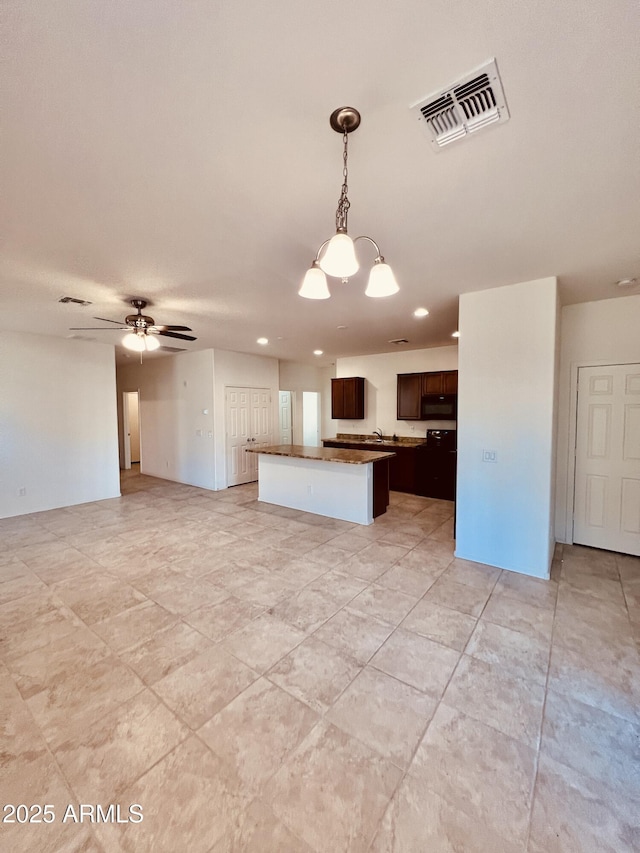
171,349
72,299
473,103
399,341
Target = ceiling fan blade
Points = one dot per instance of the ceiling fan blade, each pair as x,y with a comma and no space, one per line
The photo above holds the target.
177,335
105,320
95,329
172,328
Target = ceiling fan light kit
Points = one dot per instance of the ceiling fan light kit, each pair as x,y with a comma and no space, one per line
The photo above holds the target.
140,341
141,330
336,257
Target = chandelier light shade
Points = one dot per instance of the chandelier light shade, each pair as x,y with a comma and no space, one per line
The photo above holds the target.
314,285
336,257
382,281
339,259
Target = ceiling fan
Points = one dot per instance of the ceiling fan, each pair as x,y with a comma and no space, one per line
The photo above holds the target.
140,328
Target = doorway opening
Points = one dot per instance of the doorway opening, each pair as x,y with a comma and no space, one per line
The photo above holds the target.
131,432
311,418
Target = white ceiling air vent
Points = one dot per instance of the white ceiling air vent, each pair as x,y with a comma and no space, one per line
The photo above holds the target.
399,341
172,349
474,102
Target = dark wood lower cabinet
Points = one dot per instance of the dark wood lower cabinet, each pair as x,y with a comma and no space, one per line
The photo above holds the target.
402,473
380,487
402,466
415,469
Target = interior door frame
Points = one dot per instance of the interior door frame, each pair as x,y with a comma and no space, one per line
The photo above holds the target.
573,434
126,436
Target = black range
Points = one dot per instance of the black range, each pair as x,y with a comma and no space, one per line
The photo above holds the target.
437,474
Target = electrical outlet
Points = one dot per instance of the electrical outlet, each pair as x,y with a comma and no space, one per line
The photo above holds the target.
489,456
22,491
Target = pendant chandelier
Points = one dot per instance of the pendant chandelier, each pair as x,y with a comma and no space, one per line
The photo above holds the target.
336,257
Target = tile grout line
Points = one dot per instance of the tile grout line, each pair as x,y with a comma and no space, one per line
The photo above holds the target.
534,787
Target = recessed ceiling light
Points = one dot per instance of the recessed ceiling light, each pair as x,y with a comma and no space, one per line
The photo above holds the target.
263,341
317,352
420,312
627,282
455,335
341,327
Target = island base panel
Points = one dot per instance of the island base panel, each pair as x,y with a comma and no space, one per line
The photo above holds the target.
345,492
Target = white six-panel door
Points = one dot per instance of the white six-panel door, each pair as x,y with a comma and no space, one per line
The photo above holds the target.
286,420
248,419
607,478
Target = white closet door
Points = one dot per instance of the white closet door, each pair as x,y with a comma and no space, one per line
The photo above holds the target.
248,419
607,479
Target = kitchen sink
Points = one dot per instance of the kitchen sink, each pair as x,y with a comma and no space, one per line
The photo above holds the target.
370,441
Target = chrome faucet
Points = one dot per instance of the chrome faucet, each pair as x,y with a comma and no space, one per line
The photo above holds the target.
378,432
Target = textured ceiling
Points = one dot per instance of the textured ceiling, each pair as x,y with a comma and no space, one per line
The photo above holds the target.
181,152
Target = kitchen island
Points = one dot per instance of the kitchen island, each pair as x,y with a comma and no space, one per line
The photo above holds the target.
351,485
403,470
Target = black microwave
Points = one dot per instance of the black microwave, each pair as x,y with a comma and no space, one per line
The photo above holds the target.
439,407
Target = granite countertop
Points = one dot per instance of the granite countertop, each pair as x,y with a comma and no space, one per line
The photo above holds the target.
387,441
323,454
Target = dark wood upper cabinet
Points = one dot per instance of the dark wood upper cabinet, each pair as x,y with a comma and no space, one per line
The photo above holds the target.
440,382
409,396
413,386
432,383
450,382
347,398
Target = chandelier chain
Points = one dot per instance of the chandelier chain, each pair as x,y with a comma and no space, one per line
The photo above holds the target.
343,202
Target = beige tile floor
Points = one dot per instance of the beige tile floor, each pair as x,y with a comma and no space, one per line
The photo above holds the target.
263,680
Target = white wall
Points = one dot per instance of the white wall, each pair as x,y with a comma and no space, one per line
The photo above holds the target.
178,440
381,372
58,423
176,437
507,377
592,333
